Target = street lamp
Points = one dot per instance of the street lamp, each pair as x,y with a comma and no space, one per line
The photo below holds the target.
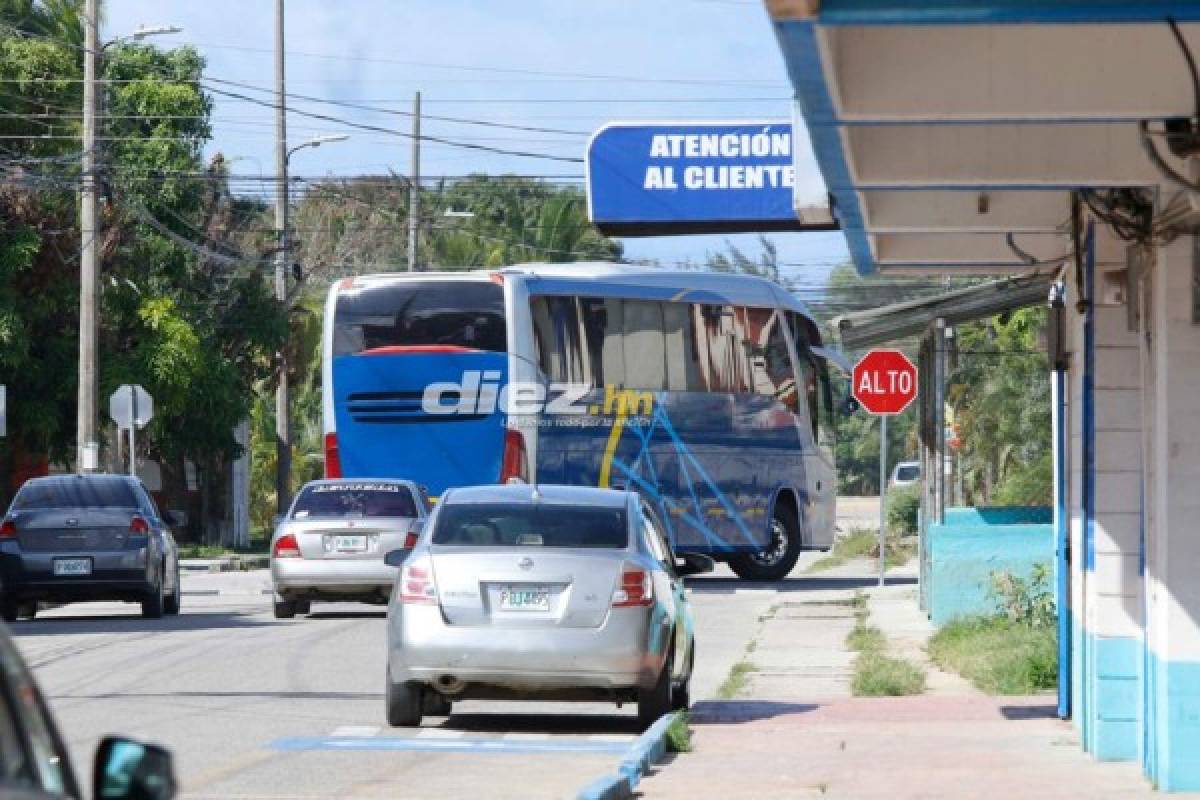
87,457
283,418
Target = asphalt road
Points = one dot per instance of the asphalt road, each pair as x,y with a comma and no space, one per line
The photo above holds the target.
255,707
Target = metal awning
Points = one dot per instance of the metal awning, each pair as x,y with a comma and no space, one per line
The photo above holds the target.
913,317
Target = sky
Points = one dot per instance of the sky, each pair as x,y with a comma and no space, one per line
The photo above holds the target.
564,65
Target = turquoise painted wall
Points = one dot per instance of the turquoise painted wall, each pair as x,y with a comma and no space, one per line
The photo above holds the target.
1174,757
963,556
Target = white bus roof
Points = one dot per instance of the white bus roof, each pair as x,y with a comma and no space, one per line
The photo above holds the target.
734,288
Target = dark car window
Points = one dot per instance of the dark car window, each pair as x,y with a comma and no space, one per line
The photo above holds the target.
526,525
909,473
76,492
365,499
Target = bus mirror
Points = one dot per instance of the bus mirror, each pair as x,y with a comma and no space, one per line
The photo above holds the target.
850,406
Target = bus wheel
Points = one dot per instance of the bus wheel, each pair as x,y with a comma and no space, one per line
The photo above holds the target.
775,562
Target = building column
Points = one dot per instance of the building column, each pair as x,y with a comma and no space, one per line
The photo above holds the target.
1172,567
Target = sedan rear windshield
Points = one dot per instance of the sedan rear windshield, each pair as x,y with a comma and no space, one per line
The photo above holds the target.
525,525
76,492
366,499
420,313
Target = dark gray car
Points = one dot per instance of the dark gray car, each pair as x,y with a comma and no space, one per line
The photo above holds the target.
68,538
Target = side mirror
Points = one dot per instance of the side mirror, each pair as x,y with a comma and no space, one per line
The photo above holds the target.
129,770
396,558
850,406
694,564
176,519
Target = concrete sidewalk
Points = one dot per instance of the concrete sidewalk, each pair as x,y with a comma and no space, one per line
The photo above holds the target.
795,731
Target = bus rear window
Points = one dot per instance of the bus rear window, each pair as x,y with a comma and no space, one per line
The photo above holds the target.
417,313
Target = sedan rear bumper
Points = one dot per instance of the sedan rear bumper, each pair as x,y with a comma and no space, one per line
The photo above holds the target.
332,576
114,575
626,652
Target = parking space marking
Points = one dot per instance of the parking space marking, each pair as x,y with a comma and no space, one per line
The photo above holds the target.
355,730
499,746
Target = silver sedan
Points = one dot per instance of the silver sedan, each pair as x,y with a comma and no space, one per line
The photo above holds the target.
330,545
547,592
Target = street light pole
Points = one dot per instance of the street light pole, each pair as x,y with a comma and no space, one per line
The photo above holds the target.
414,185
283,426
87,453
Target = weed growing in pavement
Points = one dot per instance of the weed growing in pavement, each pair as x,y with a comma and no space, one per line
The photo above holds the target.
736,681
679,735
877,674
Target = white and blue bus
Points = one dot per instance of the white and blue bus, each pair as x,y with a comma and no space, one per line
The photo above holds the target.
707,393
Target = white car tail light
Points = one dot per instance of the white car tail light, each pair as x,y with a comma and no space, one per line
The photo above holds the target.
636,589
417,584
286,547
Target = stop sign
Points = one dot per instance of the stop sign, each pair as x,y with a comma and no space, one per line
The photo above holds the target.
885,381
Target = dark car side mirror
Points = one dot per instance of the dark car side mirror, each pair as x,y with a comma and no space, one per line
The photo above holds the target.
129,770
397,557
176,519
694,564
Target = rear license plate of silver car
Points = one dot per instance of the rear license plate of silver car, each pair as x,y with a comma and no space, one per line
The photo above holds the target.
350,544
524,598
72,566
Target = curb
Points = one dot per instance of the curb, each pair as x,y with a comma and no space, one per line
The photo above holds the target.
225,563
646,750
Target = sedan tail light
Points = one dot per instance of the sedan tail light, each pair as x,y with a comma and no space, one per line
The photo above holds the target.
138,524
417,584
410,540
636,589
8,529
286,547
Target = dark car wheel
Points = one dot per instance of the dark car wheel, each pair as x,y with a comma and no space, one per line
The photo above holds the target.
10,610
681,698
775,562
152,603
654,702
27,610
303,606
285,609
175,598
403,702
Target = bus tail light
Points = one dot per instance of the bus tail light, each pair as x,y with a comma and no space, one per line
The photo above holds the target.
333,462
286,546
514,466
636,589
417,584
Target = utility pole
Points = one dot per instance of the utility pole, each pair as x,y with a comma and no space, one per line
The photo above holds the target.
414,183
87,452
283,422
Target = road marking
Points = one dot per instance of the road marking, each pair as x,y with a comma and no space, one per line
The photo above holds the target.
355,730
526,737
611,737
384,743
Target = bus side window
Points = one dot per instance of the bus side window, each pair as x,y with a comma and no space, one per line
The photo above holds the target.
558,338
771,366
806,371
828,435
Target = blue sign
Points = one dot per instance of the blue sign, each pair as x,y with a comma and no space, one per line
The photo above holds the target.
693,178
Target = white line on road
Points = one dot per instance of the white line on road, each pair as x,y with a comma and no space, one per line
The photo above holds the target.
356,730
440,733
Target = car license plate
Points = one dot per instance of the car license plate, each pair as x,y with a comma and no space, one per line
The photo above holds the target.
350,544
515,598
72,566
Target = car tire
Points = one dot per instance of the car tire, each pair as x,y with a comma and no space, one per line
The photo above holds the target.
10,610
681,698
436,704
656,701
774,564
152,603
403,701
27,610
175,599
285,609
303,606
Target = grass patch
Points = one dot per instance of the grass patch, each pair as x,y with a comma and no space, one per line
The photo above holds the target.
866,638
679,735
877,675
864,543
192,550
998,655
736,681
